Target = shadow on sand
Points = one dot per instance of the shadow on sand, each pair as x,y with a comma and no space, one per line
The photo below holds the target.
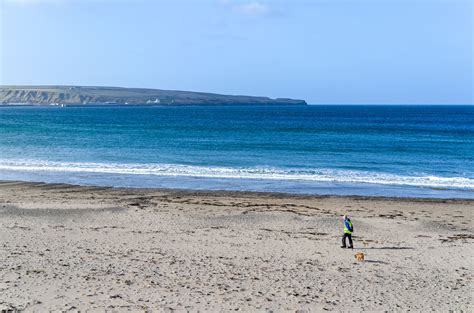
387,248
374,261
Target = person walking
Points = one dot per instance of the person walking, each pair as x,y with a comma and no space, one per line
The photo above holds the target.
348,229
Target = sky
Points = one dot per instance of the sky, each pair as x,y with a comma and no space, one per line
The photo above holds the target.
322,51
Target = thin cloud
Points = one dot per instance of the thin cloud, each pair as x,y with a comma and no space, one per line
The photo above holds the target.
252,8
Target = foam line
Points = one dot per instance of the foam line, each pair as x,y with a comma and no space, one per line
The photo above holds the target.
262,173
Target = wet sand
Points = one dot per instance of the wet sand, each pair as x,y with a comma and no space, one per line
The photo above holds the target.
76,248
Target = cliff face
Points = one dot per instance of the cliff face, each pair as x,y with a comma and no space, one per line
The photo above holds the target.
47,95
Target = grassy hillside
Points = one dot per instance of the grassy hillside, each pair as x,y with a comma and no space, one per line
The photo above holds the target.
47,95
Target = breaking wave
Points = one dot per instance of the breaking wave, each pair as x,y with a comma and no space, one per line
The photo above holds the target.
258,173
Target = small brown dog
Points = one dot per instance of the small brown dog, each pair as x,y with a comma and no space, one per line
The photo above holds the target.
359,256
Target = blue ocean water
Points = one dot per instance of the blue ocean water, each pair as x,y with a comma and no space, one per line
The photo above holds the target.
409,151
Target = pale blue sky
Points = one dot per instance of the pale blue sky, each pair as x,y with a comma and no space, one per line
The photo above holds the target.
323,51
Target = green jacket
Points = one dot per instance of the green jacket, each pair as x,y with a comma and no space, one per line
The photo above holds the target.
348,228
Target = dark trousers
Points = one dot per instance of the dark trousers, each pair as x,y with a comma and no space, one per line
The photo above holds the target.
344,240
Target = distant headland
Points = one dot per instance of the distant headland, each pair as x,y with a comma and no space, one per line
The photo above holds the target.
88,95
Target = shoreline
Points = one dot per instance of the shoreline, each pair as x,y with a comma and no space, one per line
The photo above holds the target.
266,194
69,247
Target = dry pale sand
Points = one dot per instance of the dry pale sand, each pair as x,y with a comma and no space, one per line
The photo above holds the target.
93,249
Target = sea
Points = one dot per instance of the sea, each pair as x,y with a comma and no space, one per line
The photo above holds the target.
367,150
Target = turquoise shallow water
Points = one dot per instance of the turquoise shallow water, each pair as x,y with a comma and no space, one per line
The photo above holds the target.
417,151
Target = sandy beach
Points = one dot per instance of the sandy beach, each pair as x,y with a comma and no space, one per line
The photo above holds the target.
76,248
